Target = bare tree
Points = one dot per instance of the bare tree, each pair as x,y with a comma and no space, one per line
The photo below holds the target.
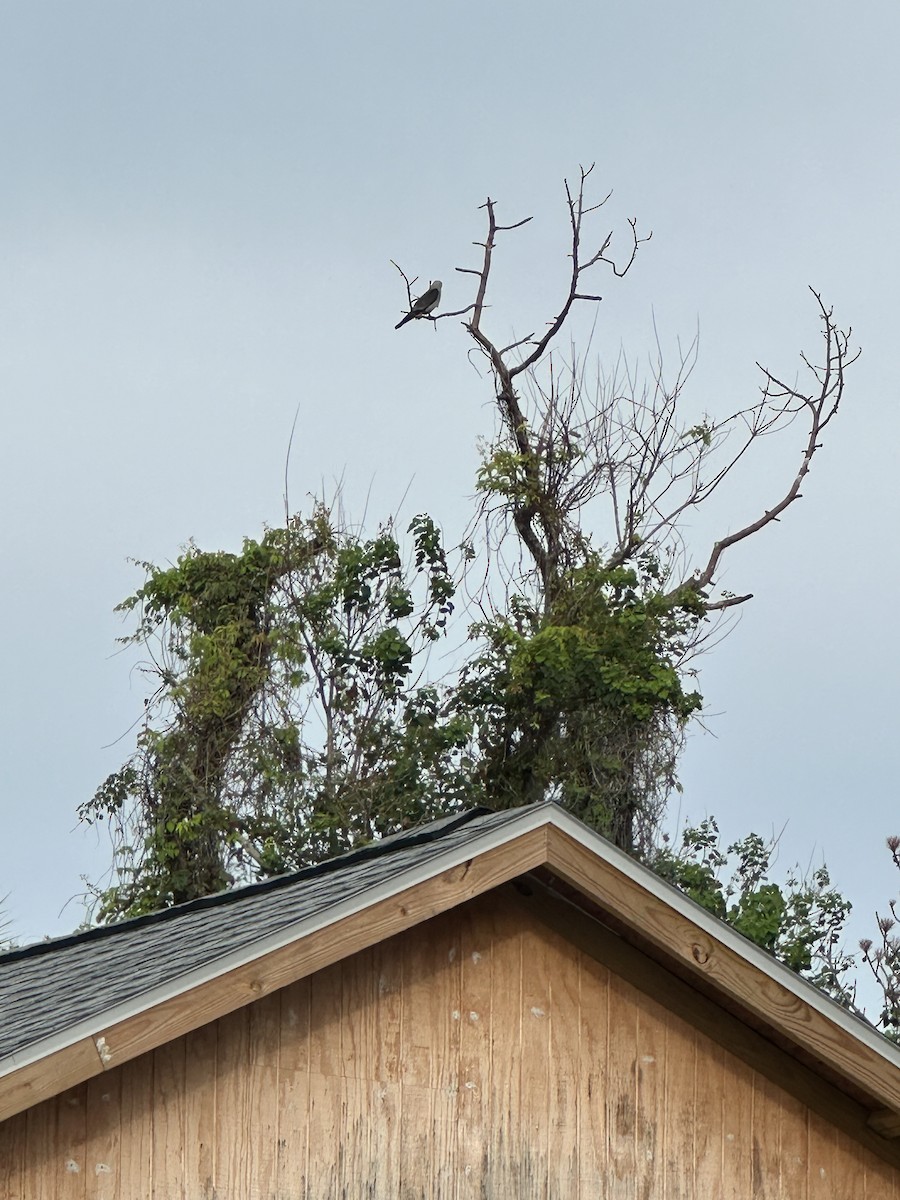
616,455
627,441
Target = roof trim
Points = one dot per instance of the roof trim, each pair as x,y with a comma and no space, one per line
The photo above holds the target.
542,835
253,951
419,836
719,931
412,895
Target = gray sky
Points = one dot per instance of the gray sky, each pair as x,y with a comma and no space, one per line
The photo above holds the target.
199,205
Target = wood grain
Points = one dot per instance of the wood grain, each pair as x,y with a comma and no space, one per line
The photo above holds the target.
102,1137
77,1144
136,1127
167,1138
337,941
48,1076
703,955
200,1092
488,1051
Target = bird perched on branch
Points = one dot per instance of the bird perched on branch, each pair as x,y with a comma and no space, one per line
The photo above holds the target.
425,305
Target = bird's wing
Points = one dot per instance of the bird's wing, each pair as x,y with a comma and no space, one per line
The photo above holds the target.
427,301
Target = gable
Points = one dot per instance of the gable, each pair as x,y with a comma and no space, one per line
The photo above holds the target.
190,965
479,1053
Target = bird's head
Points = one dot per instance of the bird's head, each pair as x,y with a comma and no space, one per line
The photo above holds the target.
436,283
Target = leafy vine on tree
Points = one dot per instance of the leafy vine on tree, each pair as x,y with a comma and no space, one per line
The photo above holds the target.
294,713
285,723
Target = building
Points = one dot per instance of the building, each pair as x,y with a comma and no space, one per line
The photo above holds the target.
496,1005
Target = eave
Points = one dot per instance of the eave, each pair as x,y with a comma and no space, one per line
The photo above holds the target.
662,922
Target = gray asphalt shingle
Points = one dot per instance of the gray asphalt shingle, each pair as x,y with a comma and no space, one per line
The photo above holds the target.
51,986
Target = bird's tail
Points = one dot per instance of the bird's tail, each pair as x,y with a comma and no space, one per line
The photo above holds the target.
408,317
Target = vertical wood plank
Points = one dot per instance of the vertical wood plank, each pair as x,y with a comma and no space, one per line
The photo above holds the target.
136,1126
765,1157
326,1143
418,1066
681,1119
358,993
293,1046
325,1013
709,1135
200,1110
12,1156
355,1175
445,998
447,1001
651,1108
262,1094
533,1128
41,1150
420,967
387,970
385,1091
822,1174
621,1094
167,1139
848,1166
821,1159
880,1180
415,1141
593,1084
738,1128
74,1166
293,1091
232,1141
475,1058
292,1152
503,1145
794,1148
386,1108
102,1153
565,1067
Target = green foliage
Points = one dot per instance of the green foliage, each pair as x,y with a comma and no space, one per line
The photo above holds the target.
574,701
285,724
289,721
800,922
510,475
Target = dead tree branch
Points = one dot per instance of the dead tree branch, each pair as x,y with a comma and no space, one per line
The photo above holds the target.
820,407
566,447
535,515
409,283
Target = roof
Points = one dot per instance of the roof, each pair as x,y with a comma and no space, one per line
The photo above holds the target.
58,985
76,1006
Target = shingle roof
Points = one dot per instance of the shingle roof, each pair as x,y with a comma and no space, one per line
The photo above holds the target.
81,1003
51,986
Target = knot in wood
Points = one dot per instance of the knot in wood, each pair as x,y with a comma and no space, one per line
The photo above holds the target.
700,954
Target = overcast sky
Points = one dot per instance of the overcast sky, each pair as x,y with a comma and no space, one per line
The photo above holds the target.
199,203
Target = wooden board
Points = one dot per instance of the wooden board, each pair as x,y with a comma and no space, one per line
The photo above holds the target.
488,1052
716,962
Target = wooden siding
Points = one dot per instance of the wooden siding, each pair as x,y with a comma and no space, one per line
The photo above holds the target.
478,1055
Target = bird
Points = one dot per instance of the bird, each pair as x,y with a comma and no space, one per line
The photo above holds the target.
425,304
